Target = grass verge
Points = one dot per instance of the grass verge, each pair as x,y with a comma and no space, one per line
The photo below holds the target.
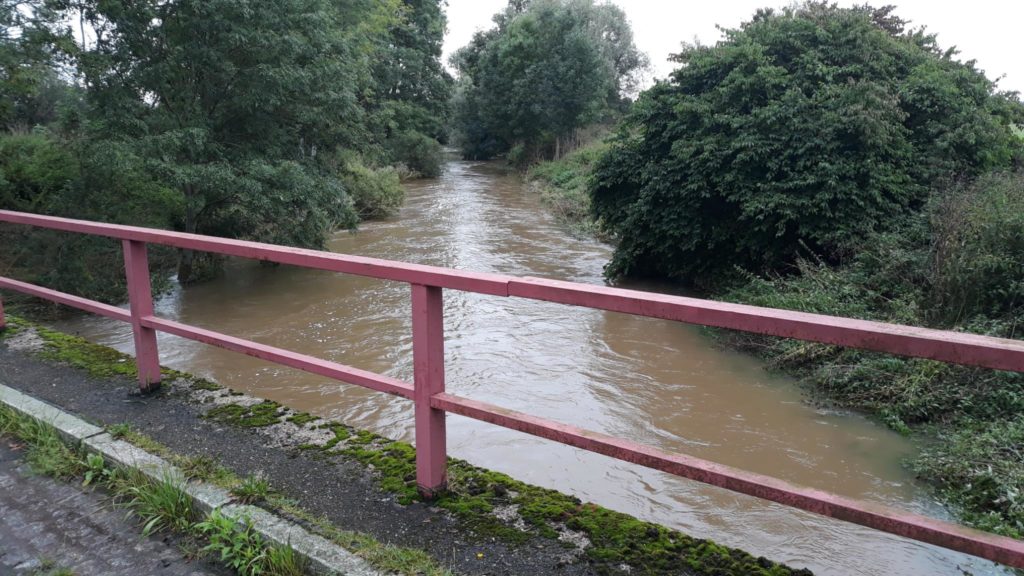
160,506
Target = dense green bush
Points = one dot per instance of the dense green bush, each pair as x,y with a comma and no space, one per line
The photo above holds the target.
959,264
44,174
815,125
421,154
375,192
978,251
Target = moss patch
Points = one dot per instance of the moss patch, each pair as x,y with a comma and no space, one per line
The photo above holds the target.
617,539
204,384
302,418
13,326
263,414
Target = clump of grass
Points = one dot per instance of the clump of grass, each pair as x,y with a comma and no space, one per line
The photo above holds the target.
197,467
284,561
241,548
252,489
161,505
46,453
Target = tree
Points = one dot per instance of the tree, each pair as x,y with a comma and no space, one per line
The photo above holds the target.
30,86
810,127
412,87
549,68
232,103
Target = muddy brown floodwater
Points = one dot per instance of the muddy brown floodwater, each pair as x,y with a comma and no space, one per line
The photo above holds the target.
652,381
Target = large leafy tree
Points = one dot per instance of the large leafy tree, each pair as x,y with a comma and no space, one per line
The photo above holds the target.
414,87
232,103
548,68
813,126
30,51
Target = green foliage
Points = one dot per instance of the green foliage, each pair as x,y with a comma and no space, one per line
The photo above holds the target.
159,504
565,186
44,173
30,88
375,192
251,489
418,152
414,86
957,266
977,251
238,546
209,117
980,467
96,471
549,68
814,125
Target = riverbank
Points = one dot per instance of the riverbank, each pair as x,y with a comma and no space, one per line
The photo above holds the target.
970,420
489,523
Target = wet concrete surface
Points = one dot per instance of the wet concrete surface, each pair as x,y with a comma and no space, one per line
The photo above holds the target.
47,525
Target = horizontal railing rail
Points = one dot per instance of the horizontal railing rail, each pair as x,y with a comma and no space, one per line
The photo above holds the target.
431,402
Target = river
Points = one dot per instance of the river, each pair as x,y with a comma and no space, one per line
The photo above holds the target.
653,381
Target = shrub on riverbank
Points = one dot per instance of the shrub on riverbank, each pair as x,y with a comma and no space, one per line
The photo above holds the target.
417,152
564,186
812,125
375,192
958,265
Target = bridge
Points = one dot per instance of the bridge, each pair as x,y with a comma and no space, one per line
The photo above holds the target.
432,402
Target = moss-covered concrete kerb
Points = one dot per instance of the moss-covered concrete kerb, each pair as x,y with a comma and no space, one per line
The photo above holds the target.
488,504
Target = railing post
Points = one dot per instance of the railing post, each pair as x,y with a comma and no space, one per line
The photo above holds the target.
428,378
140,297
3,319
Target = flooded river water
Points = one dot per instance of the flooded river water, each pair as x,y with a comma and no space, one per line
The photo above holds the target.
652,381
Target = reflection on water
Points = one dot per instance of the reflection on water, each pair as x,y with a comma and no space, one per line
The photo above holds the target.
647,380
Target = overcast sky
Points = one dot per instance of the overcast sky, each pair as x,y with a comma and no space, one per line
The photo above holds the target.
988,31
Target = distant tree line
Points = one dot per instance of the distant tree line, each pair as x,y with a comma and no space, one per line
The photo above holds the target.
546,70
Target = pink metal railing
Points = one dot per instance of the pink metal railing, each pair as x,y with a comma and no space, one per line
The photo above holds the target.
432,402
